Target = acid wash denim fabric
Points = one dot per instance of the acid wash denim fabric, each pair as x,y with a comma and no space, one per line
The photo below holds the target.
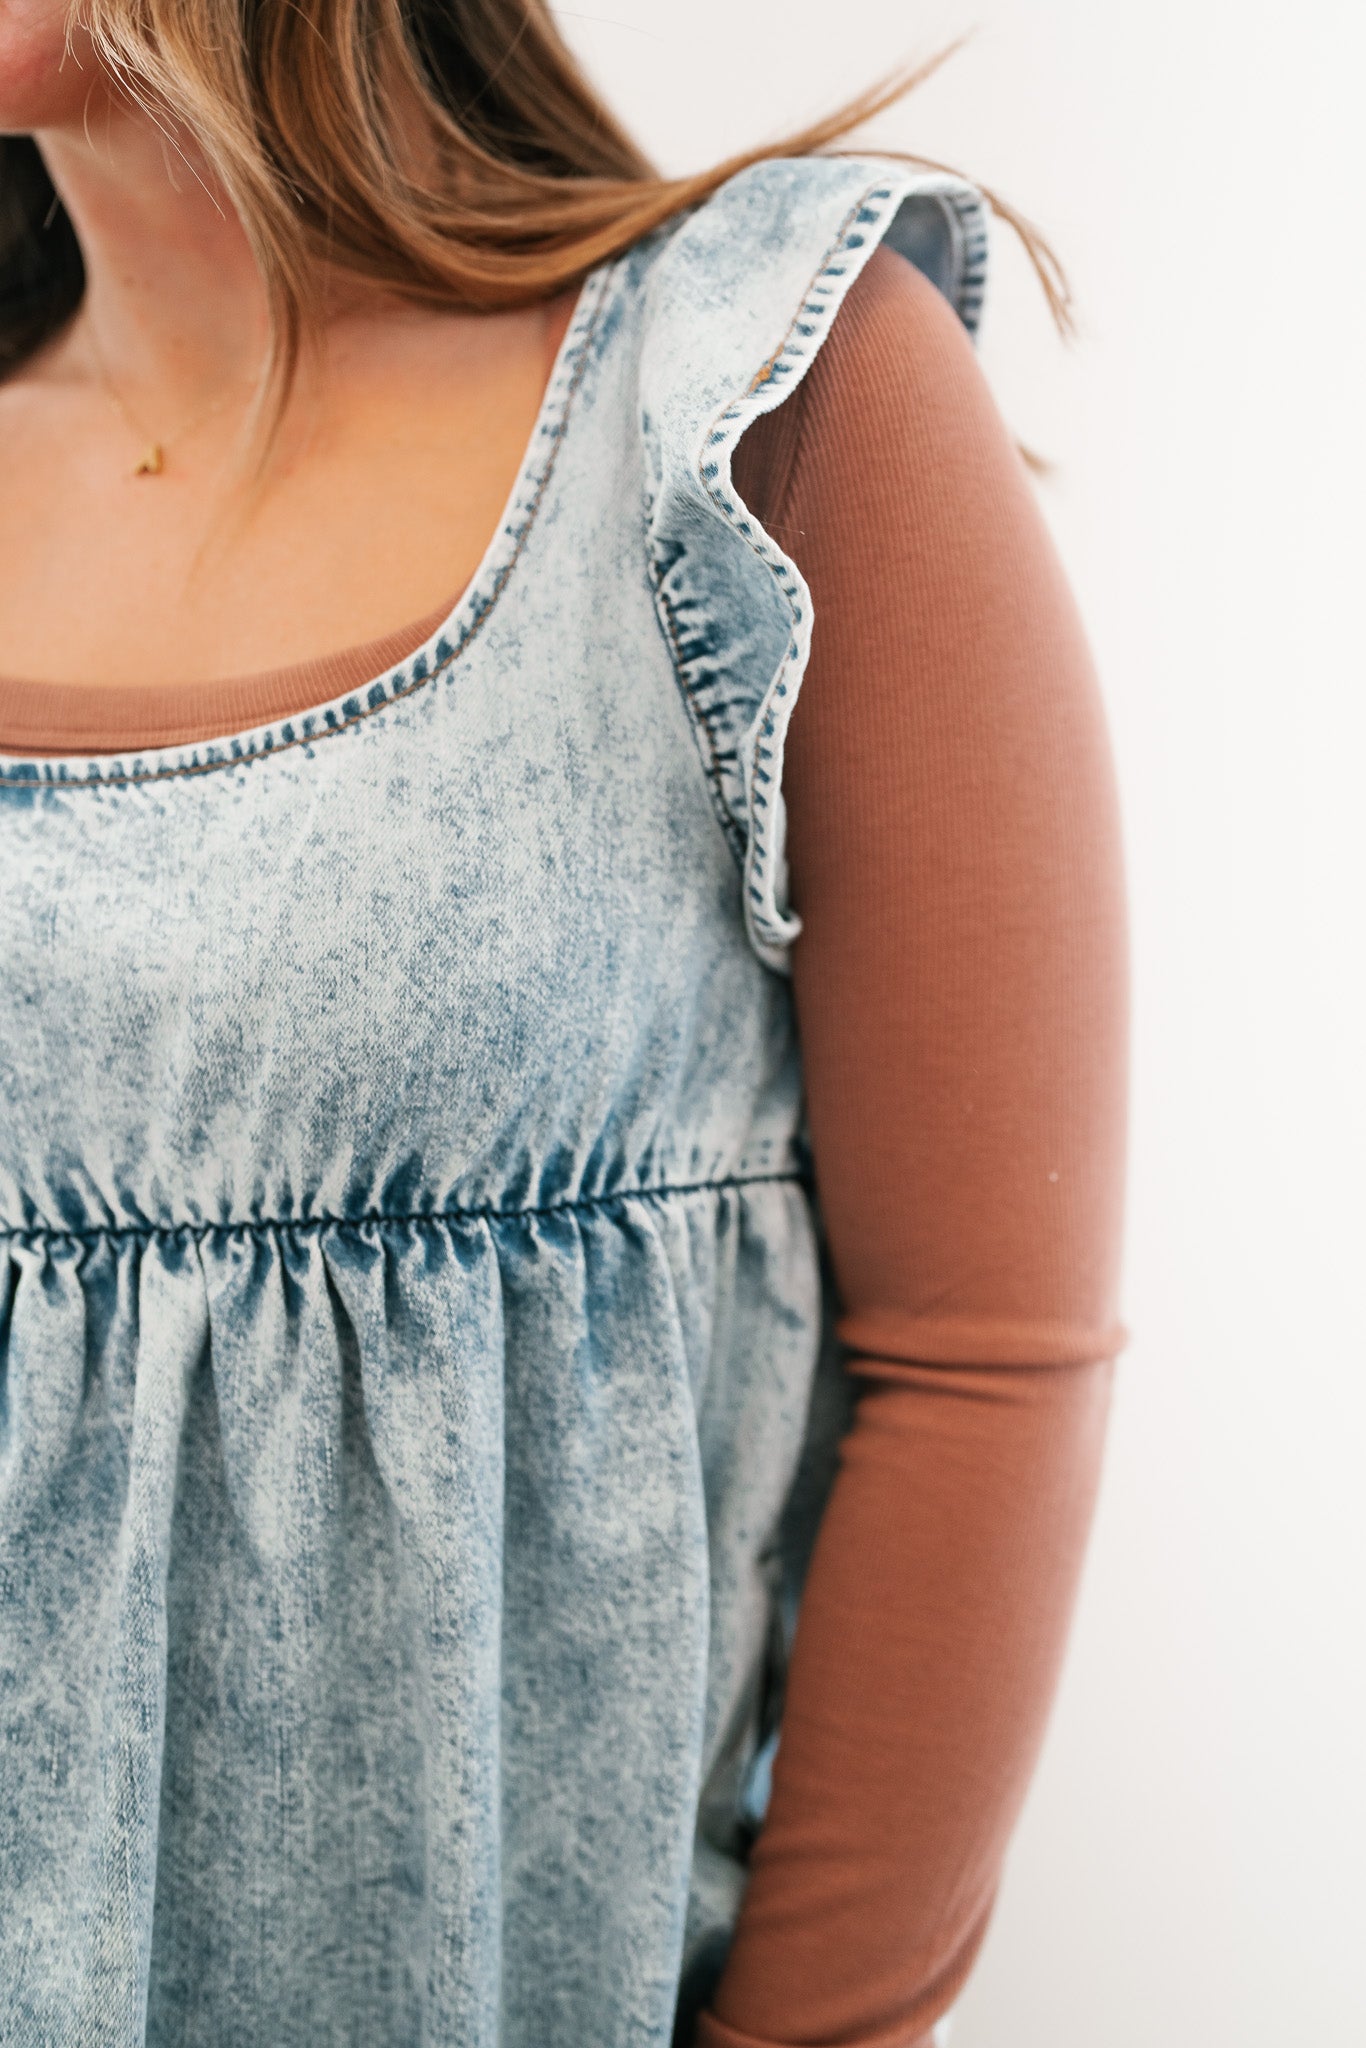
416,1388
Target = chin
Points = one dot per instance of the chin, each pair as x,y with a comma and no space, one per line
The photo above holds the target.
46,79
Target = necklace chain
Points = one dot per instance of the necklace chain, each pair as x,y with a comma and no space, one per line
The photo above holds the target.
153,458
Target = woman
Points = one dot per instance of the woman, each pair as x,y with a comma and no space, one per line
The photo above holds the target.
535,1136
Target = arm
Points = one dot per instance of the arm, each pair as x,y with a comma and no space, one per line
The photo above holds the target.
961,991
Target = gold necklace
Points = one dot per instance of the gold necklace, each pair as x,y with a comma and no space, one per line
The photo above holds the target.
153,458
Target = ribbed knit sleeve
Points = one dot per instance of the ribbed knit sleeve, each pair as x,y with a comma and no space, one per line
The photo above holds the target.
961,982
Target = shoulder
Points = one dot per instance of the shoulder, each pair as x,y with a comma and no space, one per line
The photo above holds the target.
743,299
831,210
895,396
749,283
899,356
892,310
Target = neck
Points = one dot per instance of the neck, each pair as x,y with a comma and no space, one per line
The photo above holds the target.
174,308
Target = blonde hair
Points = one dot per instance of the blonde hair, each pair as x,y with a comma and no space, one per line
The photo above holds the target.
447,151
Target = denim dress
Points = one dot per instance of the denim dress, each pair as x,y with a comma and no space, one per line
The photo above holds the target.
417,1388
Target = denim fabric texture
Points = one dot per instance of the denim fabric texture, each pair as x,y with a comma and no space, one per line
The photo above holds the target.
417,1396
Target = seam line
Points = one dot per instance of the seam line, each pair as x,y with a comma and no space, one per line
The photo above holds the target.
264,1226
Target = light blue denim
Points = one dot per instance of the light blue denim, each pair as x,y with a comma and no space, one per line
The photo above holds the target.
417,1395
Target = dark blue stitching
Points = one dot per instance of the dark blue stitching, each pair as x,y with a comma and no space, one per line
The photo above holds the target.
371,1217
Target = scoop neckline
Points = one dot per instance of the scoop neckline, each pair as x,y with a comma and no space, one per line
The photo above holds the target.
435,657
143,716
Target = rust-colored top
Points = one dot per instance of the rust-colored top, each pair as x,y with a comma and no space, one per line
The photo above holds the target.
961,983
41,719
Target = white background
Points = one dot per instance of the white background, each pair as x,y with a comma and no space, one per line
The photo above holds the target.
1189,1869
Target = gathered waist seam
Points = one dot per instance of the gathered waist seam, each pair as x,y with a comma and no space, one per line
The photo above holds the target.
485,1212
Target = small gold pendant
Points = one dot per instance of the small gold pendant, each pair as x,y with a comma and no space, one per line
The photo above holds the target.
152,462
